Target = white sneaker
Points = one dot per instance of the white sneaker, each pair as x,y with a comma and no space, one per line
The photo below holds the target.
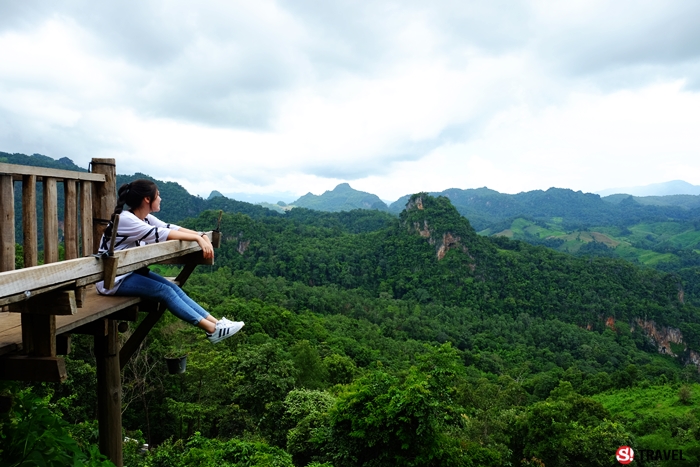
224,330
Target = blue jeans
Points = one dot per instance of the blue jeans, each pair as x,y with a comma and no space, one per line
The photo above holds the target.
158,288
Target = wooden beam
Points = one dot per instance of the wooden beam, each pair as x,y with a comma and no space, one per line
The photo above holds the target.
94,328
63,344
86,218
139,334
90,270
80,293
127,314
191,258
14,169
109,389
29,223
70,223
50,220
104,197
185,274
22,368
55,303
39,335
7,223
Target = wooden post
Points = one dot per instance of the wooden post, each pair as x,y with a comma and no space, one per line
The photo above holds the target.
29,224
86,224
50,220
109,383
104,198
31,249
109,389
70,225
7,223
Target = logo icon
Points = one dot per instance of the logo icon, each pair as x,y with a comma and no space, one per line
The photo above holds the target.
624,454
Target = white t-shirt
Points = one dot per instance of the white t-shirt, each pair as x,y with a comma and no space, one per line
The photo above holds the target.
133,232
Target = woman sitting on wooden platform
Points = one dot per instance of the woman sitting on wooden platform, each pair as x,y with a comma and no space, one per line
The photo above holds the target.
138,227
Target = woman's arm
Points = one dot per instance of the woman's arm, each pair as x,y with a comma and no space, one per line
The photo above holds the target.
191,235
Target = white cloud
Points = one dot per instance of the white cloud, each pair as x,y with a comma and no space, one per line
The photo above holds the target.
277,96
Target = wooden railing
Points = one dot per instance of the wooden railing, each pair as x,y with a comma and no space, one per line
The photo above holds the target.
80,189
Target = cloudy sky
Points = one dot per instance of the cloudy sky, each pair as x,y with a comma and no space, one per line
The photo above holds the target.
280,98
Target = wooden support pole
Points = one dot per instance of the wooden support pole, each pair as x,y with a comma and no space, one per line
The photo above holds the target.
29,223
104,198
109,388
70,223
7,223
50,220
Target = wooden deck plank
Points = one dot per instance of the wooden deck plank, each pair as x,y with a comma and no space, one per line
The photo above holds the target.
95,307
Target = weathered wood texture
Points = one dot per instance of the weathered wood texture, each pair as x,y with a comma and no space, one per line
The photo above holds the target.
50,220
29,223
20,170
83,271
95,307
7,224
85,216
70,223
104,198
109,389
61,302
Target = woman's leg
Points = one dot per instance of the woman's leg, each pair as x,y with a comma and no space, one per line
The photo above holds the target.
183,296
145,286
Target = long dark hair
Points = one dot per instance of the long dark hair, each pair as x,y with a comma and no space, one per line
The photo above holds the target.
132,194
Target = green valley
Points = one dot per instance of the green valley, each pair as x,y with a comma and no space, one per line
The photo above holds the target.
374,339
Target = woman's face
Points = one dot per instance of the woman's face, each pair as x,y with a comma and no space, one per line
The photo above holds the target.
155,204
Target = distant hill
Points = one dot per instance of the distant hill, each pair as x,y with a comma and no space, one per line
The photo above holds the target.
674,187
684,201
341,198
38,160
485,208
214,194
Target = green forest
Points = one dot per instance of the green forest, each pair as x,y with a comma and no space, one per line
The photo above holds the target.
381,340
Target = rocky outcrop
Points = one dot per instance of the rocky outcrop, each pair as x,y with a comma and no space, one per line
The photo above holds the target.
662,336
243,246
416,203
448,241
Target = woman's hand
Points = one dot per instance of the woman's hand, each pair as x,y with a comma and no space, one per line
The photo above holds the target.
207,248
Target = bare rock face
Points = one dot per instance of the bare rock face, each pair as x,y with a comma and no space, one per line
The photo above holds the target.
425,231
448,242
243,246
415,203
663,336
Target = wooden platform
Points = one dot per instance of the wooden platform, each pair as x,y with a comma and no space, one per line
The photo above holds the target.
96,306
